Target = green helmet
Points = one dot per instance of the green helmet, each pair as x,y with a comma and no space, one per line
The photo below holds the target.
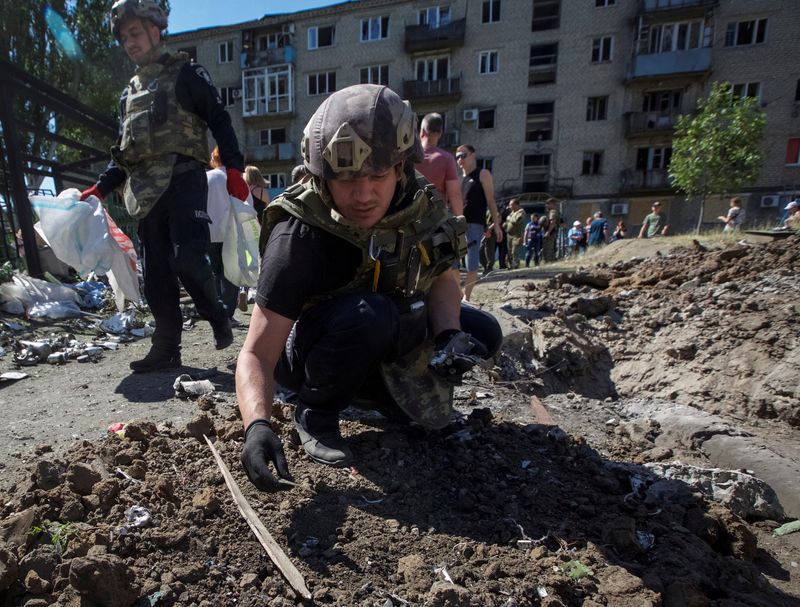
122,10
361,130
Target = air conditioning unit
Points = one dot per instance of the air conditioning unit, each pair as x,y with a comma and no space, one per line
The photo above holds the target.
619,208
470,115
770,202
236,93
288,28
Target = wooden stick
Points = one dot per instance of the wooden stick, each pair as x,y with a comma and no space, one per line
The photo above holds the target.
274,551
540,414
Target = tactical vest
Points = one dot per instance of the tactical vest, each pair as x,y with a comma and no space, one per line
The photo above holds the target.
401,255
155,128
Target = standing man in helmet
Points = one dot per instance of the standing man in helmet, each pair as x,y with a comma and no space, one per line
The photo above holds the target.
354,299
160,158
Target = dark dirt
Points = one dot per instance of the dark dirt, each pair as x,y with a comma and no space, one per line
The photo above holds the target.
495,510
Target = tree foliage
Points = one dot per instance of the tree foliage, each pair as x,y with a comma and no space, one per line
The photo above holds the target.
718,150
95,78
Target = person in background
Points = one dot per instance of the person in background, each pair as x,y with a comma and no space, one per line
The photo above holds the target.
439,166
515,223
792,221
533,241
258,188
620,231
734,217
575,237
159,160
298,173
477,188
550,223
218,209
598,230
655,223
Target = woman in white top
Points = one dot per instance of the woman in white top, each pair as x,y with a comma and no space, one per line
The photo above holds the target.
218,208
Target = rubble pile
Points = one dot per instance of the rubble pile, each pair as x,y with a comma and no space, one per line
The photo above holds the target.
710,328
483,513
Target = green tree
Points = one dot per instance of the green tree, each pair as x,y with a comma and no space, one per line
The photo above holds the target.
717,150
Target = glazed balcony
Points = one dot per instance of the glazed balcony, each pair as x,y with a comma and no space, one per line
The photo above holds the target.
423,38
676,63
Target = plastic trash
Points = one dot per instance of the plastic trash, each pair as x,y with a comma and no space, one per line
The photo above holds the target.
32,353
55,310
10,376
138,516
186,387
786,529
120,323
240,257
24,292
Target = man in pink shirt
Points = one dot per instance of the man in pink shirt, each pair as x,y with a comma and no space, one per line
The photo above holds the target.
439,166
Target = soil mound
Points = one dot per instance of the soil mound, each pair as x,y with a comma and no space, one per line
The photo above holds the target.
484,513
712,328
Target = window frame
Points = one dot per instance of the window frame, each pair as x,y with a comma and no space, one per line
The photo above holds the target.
792,152
444,16
327,75
592,163
369,69
598,45
488,16
432,60
537,75
486,111
745,86
383,28
547,21
270,135
228,47
604,3
279,179
597,108
540,132
488,56
315,29
732,32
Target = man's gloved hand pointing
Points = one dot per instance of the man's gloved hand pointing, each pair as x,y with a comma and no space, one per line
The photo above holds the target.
455,353
261,446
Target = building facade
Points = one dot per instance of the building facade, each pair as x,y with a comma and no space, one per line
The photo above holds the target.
576,99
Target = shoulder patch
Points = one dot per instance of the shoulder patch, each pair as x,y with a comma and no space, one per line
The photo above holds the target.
201,71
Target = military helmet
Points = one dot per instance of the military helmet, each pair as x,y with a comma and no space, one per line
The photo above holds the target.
122,10
358,131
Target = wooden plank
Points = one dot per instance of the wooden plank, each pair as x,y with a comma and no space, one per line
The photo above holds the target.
540,414
278,556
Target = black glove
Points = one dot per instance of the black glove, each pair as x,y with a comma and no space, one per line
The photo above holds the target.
262,445
456,353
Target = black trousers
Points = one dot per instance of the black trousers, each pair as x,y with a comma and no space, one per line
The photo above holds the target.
174,240
336,347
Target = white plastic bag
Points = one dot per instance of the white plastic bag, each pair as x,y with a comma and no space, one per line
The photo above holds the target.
83,235
240,257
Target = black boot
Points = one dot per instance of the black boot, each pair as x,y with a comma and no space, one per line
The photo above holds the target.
223,335
320,436
159,358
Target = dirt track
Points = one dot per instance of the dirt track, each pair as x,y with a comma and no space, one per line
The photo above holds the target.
496,510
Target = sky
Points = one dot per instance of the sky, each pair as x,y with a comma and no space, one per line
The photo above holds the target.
194,14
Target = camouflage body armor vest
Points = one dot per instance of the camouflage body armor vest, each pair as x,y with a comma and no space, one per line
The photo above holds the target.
401,255
156,128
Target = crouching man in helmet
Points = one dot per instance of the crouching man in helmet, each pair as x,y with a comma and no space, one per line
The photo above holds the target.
160,158
355,302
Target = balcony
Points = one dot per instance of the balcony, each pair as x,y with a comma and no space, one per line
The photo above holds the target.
639,124
266,153
674,6
446,88
645,180
677,63
421,38
271,56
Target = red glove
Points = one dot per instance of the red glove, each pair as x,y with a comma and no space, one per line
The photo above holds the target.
92,191
236,185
